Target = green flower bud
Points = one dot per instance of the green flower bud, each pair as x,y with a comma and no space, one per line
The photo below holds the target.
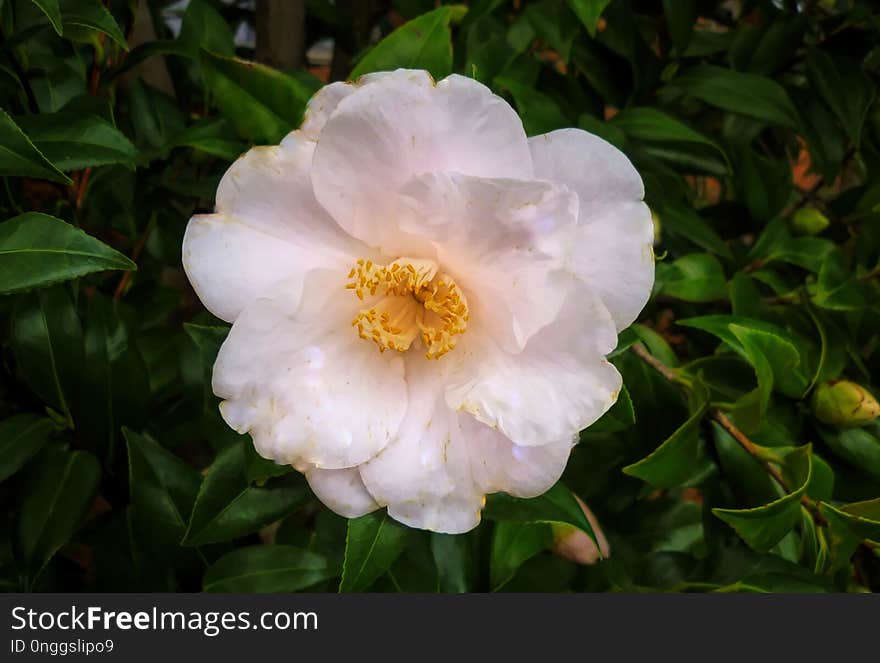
845,404
808,221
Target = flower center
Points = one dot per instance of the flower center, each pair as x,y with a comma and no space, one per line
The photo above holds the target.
409,299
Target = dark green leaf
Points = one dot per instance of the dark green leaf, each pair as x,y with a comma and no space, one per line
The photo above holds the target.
47,341
37,250
454,559
163,489
91,15
680,456
373,543
52,12
513,543
56,499
748,94
21,437
263,569
263,104
844,87
589,12
422,43
697,277
19,157
229,506
557,505
764,526
76,140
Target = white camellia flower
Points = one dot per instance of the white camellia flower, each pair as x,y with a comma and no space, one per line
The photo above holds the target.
422,297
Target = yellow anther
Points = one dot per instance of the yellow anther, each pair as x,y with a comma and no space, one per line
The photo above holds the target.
415,301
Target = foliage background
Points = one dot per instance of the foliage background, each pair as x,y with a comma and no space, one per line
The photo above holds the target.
756,128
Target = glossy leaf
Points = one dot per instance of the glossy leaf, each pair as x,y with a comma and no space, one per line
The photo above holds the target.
680,456
263,104
48,345
19,156
269,568
589,11
372,544
91,15
162,490
77,140
513,543
764,526
697,277
229,506
21,438
37,250
53,13
748,94
557,505
56,499
422,43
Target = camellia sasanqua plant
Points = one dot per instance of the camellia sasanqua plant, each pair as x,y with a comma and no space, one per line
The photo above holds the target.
499,177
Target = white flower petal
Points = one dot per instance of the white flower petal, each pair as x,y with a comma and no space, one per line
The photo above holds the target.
301,382
342,491
400,125
558,385
614,253
505,242
499,465
321,107
267,228
424,476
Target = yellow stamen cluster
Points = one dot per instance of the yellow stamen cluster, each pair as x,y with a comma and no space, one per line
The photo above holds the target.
413,301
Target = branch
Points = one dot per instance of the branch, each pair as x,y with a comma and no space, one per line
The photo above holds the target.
750,447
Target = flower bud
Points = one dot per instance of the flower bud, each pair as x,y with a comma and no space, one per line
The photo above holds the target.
845,404
575,545
808,221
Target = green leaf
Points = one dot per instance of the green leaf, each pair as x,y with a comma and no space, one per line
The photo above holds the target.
52,12
264,569
844,87
37,250
77,140
787,369
589,12
653,125
228,506
764,526
19,157
680,17
848,526
539,112
514,543
163,489
47,341
680,456
114,376
91,15
213,136
554,24
557,505
860,447
680,220
422,43
372,544
203,26
21,438
454,560
263,104
56,498
697,277
747,94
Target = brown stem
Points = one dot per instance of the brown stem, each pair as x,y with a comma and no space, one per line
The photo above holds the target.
122,286
669,373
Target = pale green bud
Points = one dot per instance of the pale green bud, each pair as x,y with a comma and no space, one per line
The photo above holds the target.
845,404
